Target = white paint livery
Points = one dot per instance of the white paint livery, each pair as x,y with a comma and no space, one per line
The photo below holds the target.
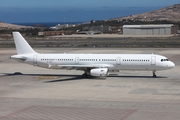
91,64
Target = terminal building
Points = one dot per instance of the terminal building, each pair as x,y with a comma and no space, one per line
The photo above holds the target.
53,33
165,29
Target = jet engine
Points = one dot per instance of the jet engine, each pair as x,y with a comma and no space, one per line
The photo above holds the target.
99,72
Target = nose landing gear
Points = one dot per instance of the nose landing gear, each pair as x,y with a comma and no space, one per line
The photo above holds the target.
154,74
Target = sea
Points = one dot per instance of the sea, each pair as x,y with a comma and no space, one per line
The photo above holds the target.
47,24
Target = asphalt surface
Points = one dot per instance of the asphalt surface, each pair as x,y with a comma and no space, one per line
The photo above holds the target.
32,93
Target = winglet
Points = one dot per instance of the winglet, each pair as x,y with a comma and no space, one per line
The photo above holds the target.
22,47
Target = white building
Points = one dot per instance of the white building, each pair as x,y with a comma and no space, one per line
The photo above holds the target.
165,29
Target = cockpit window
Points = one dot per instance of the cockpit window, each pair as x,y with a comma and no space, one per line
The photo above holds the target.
162,60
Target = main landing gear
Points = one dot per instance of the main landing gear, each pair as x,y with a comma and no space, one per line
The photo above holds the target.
154,74
86,73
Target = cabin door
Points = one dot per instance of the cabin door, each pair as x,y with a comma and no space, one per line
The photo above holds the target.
35,59
153,60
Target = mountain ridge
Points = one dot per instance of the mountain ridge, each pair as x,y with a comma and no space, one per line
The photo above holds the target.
170,13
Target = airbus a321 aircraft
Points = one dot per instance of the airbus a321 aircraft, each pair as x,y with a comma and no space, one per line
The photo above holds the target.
92,64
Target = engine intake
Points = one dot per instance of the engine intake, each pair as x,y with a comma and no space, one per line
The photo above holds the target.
98,72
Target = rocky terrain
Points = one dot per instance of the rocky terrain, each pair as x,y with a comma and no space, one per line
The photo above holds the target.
170,13
11,26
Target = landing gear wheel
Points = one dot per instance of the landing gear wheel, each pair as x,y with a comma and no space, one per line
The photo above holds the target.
154,74
85,75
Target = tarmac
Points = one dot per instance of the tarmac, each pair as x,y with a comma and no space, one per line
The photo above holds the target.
33,93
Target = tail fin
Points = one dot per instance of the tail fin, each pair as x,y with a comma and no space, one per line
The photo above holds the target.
22,47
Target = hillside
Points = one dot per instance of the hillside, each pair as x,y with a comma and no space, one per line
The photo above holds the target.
171,13
11,26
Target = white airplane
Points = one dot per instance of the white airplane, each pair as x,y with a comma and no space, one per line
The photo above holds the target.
92,64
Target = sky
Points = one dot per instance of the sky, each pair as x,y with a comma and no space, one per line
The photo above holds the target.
17,11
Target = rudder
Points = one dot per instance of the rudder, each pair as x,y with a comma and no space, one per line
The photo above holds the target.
22,47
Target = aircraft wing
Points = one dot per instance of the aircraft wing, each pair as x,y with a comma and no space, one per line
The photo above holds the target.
82,67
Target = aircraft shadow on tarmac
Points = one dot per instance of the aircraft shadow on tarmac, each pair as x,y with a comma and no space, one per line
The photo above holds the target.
137,76
72,77
79,77
19,74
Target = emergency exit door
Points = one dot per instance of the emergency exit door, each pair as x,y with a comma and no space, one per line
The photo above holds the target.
118,61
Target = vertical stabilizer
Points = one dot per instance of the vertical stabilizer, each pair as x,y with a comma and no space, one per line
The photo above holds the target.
22,47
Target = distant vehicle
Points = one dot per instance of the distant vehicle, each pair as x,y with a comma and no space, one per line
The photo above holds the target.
89,32
92,64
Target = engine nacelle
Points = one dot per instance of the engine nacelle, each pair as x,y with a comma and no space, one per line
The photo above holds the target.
98,72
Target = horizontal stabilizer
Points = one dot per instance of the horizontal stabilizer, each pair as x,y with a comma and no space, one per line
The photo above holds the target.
18,57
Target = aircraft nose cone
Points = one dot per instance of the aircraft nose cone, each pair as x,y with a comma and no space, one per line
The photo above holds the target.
171,65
